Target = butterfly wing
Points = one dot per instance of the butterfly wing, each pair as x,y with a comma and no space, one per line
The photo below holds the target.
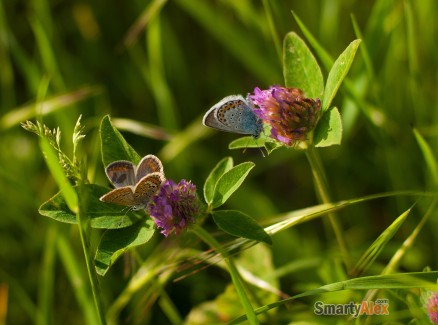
210,120
233,114
239,115
121,173
146,188
211,117
122,196
149,164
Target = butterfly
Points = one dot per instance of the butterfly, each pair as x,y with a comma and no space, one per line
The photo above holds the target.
234,114
135,185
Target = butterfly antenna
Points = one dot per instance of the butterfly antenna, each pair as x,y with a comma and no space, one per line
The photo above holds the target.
246,146
126,211
263,154
264,146
260,148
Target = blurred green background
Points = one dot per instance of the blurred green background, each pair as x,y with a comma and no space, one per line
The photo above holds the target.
161,64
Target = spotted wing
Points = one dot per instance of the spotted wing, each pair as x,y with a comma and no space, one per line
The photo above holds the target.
212,118
122,196
233,114
146,188
121,173
149,164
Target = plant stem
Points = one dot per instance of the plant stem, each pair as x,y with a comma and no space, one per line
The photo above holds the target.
84,231
322,189
235,276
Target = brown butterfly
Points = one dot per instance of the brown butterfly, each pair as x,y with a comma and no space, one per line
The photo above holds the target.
135,185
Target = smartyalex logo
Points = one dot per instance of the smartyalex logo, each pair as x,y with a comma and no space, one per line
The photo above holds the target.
378,307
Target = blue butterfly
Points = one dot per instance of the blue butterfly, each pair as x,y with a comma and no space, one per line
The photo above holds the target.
234,114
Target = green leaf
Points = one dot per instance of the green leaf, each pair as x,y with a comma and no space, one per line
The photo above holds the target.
101,214
221,168
338,72
229,182
300,68
239,224
328,132
249,142
377,246
114,146
272,145
115,242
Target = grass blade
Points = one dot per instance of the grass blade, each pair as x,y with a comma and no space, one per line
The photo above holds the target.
377,246
395,281
232,38
428,155
47,106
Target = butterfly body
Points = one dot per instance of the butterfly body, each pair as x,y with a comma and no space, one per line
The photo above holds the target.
234,114
135,185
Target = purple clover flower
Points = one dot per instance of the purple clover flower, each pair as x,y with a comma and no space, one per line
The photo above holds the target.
432,307
290,115
175,206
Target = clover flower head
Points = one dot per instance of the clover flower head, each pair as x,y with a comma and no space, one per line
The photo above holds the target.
175,206
290,115
432,307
